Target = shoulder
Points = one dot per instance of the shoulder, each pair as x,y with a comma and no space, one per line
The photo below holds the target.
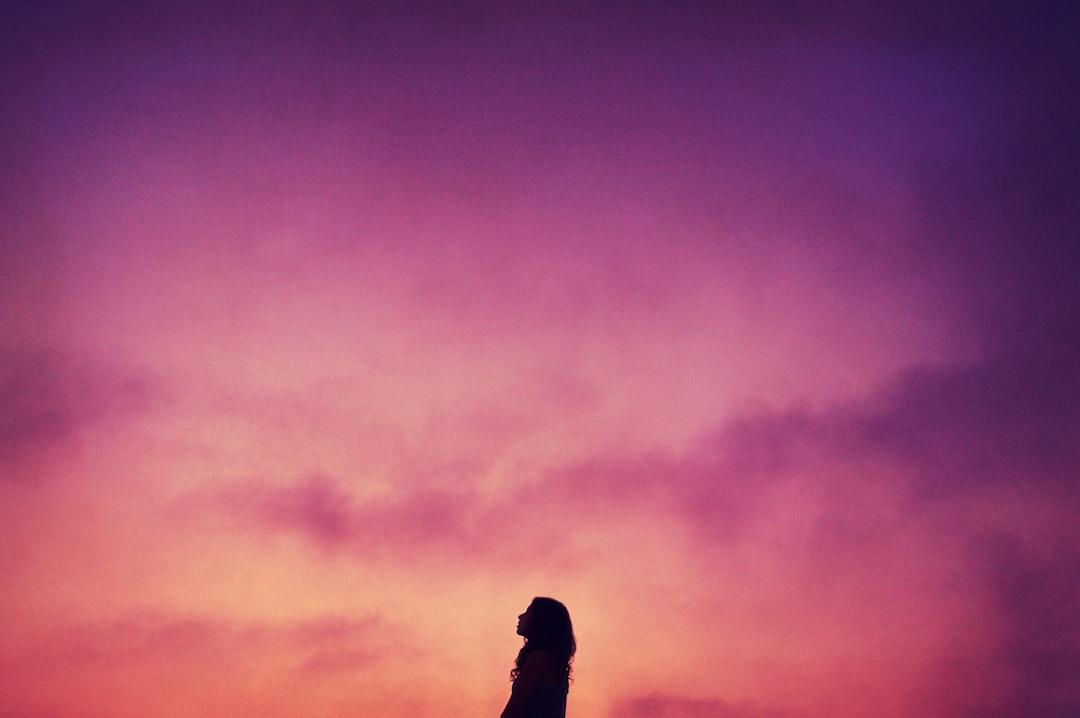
537,659
533,670
544,667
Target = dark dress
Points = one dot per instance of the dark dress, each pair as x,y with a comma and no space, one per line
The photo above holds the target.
549,700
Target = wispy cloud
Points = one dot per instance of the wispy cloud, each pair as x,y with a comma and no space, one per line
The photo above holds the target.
174,662
321,509
48,395
152,637
658,705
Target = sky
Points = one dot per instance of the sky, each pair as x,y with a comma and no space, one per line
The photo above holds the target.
333,334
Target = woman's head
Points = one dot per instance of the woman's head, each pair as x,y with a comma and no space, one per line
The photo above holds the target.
545,625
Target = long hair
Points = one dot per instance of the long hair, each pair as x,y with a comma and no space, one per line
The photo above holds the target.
550,630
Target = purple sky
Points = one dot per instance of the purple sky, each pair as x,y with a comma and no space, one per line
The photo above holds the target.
332,335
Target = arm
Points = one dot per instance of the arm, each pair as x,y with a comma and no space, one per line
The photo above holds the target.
525,685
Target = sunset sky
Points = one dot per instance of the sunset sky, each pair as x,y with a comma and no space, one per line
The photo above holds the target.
332,335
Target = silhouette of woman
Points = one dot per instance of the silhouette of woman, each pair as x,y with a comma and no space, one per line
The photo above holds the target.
542,669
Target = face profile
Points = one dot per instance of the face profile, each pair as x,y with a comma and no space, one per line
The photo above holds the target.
523,623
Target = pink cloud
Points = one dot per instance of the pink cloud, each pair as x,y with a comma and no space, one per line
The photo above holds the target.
658,705
49,395
152,636
321,509
894,495
168,661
